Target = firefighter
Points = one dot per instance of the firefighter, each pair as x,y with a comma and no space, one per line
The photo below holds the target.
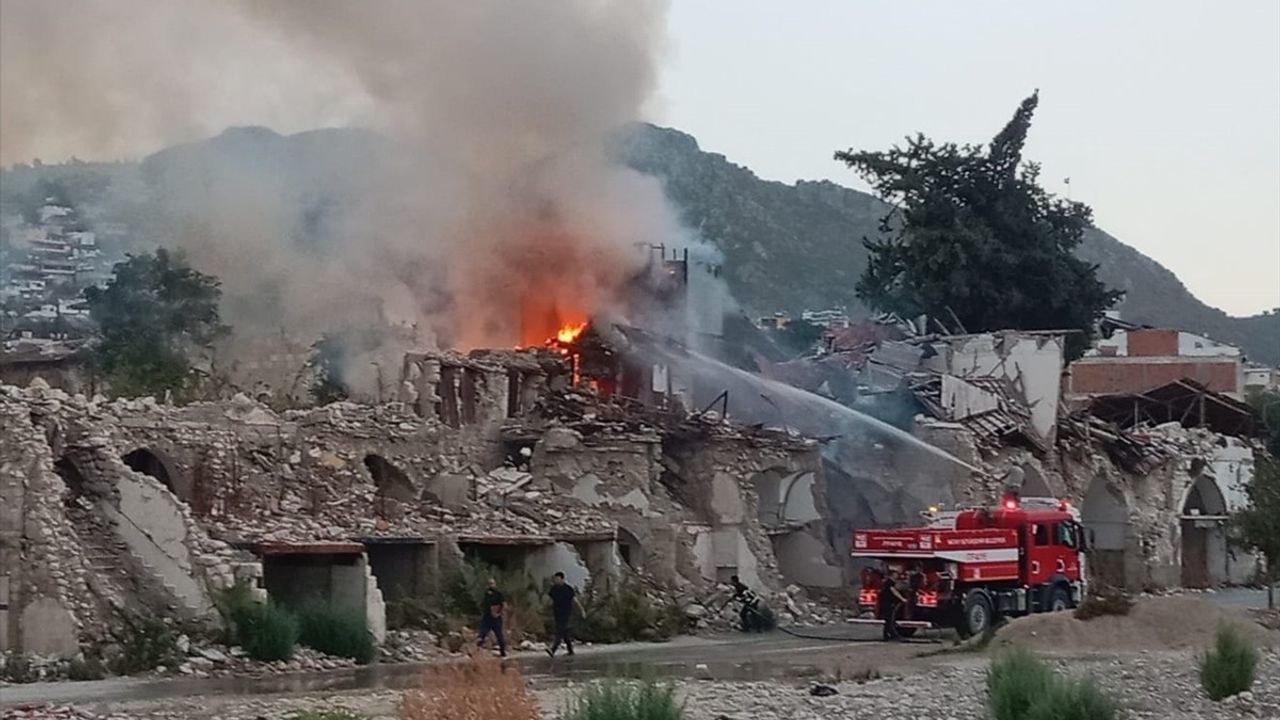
891,602
749,610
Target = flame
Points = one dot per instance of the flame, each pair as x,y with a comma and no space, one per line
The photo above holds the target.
569,333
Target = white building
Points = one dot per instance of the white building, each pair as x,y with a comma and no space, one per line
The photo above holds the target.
1261,377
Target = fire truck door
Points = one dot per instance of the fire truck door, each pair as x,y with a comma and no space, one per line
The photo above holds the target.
1040,555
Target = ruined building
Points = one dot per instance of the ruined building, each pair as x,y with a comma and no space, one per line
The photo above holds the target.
112,507
597,453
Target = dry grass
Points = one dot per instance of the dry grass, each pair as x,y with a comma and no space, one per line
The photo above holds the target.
478,689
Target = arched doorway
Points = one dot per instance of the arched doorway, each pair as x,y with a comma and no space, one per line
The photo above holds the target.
1106,515
629,549
72,477
1204,546
149,463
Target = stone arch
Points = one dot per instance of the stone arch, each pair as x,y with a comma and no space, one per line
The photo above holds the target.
150,462
629,549
797,503
75,480
1203,547
1105,513
391,481
1204,497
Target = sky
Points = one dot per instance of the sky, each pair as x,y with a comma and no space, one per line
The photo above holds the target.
1164,115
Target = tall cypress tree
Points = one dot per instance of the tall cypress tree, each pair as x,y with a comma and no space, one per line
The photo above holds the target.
971,234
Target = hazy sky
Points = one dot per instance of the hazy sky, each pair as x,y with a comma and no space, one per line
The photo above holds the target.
1165,115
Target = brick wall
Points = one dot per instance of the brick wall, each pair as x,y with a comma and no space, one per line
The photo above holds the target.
1105,376
1153,343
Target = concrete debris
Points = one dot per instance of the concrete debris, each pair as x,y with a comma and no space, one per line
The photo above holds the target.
151,507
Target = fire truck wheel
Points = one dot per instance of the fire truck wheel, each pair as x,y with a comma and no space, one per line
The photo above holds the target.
1059,599
978,616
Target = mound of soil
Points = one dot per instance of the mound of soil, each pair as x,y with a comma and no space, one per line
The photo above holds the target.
1154,623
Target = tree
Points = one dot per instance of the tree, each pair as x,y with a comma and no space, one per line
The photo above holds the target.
1267,405
973,237
328,357
152,314
1257,527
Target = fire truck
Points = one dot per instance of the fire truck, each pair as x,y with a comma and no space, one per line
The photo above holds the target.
968,568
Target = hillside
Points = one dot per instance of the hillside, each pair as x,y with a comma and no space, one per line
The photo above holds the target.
792,247
786,247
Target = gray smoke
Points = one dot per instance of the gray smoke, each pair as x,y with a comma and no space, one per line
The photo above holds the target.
490,216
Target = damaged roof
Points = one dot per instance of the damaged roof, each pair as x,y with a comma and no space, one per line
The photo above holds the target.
1183,401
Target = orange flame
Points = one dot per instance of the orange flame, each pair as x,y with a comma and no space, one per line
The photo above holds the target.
569,333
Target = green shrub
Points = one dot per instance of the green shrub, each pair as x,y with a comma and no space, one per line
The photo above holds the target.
622,700
146,643
231,603
338,630
1015,681
18,668
528,612
620,610
88,668
1021,686
1107,602
1228,669
266,631
1073,699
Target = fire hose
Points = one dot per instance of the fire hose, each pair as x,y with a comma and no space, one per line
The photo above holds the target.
793,633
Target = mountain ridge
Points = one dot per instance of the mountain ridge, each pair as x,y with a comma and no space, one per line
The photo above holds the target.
786,247
807,236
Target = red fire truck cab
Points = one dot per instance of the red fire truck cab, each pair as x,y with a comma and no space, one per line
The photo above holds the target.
968,568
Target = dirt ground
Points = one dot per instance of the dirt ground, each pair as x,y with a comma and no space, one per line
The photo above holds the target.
1154,623
1147,660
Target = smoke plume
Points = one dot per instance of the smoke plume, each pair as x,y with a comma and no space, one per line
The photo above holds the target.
488,216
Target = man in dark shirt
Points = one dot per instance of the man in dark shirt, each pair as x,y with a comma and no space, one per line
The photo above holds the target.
491,617
891,602
563,598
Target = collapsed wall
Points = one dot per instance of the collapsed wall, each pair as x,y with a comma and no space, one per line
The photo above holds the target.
156,508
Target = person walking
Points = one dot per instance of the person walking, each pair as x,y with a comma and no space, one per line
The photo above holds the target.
491,617
891,602
563,600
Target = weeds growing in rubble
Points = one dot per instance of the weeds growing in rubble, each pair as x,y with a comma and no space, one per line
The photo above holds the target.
1021,686
1107,602
619,610
528,613
624,700
479,689
17,668
338,630
146,643
266,631
1228,669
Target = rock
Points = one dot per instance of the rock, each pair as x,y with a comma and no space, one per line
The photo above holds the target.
561,439
214,655
702,672
820,690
